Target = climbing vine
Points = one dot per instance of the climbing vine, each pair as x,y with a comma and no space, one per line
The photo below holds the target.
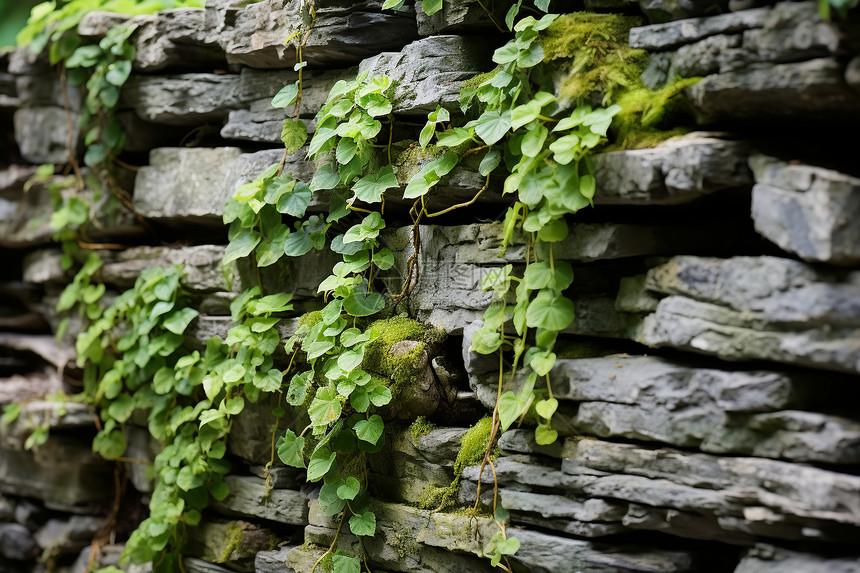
135,354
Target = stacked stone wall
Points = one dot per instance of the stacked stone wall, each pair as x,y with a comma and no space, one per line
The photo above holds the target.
708,387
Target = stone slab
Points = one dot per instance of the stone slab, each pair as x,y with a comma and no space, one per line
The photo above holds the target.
809,211
430,72
249,499
343,32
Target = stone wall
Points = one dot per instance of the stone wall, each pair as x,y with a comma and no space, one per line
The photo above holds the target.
708,416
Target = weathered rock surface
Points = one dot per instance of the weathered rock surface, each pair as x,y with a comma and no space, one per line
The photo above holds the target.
699,496
249,499
810,211
42,133
668,35
429,72
184,99
409,539
231,543
64,473
343,32
184,183
813,89
16,542
652,399
769,559
747,308
173,38
666,10
273,561
454,259
677,171
201,266
541,551
68,535
464,17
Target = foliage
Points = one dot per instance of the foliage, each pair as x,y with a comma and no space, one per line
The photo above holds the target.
53,23
135,356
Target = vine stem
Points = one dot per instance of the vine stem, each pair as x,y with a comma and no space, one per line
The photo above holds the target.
460,205
333,543
70,129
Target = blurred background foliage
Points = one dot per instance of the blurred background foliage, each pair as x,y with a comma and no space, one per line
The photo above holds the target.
13,17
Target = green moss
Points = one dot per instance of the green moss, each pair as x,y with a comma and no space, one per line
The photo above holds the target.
421,427
440,497
400,368
473,444
476,81
310,318
645,112
603,62
233,542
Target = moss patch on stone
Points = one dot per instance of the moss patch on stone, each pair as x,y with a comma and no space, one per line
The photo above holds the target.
603,63
398,368
473,444
421,427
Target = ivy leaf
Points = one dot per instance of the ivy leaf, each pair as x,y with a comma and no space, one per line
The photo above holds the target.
325,407
330,503
533,140
430,7
286,96
349,489
326,177
321,137
346,150
298,390
492,126
530,57
544,435
376,104
370,188
379,395
453,137
297,243
383,259
179,320
550,310
321,462
121,407
344,563
295,201
290,448
241,245
370,430
294,134
538,275
490,161
187,479
110,443
510,408
359,304
546,408
363,523
118,72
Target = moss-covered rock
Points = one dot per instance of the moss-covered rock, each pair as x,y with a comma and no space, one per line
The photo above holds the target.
401,355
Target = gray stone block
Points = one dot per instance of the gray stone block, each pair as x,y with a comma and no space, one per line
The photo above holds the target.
173,38
343,32
185,184
429,72
669,35
770,559
813,89
248,498
810,211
